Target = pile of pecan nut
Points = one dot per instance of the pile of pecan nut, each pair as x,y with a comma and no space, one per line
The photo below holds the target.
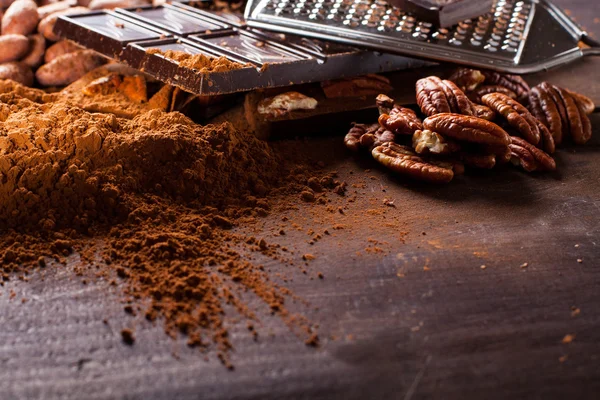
475,119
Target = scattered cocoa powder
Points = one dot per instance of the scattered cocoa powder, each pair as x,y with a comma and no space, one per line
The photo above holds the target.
149,203
128,336
200,62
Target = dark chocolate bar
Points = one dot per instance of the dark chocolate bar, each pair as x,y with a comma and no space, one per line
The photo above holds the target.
158,39
444,13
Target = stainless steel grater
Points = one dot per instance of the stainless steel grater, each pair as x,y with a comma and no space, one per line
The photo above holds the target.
516,36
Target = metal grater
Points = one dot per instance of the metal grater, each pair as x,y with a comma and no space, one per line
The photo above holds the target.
517,36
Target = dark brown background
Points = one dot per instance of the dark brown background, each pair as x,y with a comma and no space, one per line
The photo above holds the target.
389,327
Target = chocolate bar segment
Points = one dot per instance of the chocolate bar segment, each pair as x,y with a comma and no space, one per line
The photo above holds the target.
173,20
253,48
105,32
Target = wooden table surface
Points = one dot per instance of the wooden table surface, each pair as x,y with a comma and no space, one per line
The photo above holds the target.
389,327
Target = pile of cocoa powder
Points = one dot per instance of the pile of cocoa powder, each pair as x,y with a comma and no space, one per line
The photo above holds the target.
199,62
151,202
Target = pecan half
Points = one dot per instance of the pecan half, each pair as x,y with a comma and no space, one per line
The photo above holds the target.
384,103
546,140
580,126
401,121
403,160
502,153
585,102
517,116
469,129
476,95
544,108
365,85
425,141
376,138
483,161
560,106
431,97
530,157
484,112
367,136
436,96
521,157
467,79
512,82
458,100
456,166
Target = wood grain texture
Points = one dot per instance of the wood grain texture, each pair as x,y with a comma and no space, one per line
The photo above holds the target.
389,327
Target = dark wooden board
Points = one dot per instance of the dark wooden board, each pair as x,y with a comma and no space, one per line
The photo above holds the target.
389,327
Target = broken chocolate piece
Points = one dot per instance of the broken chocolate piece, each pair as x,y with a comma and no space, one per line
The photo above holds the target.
285,103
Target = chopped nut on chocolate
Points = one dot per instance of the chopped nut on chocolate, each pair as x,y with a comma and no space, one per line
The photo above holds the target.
404,160
365,85
284,103
517,116
469,129
426,141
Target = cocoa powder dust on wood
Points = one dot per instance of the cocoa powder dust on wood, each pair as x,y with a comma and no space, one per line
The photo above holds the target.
151,202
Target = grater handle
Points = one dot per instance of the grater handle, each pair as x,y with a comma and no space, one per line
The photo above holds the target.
594,49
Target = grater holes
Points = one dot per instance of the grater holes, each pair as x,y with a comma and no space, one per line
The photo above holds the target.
501,30
509,49
419,36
